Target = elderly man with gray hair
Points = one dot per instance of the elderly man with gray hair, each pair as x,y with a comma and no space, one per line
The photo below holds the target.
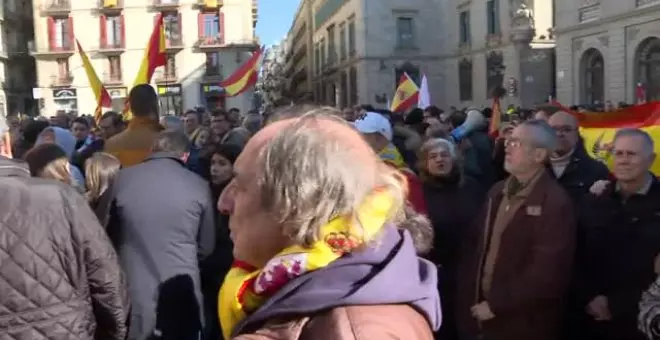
519,252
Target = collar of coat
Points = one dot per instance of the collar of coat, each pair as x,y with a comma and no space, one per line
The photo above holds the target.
13,168
166,155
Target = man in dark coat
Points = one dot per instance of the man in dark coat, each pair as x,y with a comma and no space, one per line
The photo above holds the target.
517,257
162,224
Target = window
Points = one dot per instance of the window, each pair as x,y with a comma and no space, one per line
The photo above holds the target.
61,34
405,31
323,53
172,27
317,59
495,72
493,16
351,38
63,68
342,42
170,66
115,68
464,30
353,85
332,50
213,67
211,24
113,31
465,80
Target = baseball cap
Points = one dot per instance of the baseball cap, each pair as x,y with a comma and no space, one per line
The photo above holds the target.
372,122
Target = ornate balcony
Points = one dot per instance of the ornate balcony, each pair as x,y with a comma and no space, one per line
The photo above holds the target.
165,5
174,43
112,47
210,43
56,7
110,6
61,80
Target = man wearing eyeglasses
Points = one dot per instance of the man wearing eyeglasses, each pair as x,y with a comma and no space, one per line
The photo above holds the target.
513,285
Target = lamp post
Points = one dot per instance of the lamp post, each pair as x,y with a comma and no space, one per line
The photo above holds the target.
522,34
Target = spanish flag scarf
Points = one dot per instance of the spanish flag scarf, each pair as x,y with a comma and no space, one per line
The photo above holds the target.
246,287
392,156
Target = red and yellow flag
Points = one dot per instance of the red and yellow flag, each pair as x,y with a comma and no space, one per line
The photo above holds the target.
598,128
245,76
406,95
495,118
103,98
154,56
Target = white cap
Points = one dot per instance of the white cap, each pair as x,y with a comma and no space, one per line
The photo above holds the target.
372,122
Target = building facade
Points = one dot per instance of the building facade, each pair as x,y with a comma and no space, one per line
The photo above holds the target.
498,43
299,57
17,70
355,51
206,41
607,49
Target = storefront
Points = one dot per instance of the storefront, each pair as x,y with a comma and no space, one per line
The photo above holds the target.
213,97
66,101
118,96
170,99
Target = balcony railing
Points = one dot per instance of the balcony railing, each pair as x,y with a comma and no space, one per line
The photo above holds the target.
210,42
165,4
166,76
110,6
112,47
174,42
65,49
112,79
213,74
56,7
208,4
61,80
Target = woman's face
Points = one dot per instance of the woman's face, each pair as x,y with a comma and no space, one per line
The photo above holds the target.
203,138
221,169
439,162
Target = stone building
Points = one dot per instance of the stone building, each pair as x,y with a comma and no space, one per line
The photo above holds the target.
486,44
17,72
299,54
605,48
206,41
355,51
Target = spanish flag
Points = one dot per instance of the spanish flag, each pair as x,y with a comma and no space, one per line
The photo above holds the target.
245,76
406,95
495,118
100,92
598,129
154,56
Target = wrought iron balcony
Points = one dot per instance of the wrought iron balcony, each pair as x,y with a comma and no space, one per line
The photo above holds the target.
66,49
61,80
112,47
166,75
213,74
110,6
210,43
174,43
56,7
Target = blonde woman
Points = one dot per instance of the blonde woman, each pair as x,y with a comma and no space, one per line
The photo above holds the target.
101,170
49,161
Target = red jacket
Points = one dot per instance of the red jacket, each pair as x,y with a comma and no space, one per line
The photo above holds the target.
415,191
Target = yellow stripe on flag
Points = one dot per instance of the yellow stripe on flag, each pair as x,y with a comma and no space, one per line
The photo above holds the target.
597,140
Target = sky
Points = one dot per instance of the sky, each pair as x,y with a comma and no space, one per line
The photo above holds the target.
275,18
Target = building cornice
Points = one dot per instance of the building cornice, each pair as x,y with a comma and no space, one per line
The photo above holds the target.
608,20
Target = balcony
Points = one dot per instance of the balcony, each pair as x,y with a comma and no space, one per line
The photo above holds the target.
212,74
56,7
112,79
165,5
110,6
166,76
61,80
174,43
208,4
66,49
112,47
210,43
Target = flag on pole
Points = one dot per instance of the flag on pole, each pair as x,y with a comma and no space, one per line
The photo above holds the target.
424,95
101,94
154,56
495,118
245,76
406,94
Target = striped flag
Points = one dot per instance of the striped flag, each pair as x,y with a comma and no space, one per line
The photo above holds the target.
103,98
245,76
495,118
406,94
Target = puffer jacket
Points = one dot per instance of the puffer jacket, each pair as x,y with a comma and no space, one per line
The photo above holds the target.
59,275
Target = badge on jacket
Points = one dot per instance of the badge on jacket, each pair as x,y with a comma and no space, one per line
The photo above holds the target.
534,210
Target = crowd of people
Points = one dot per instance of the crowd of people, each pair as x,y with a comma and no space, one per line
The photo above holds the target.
309,222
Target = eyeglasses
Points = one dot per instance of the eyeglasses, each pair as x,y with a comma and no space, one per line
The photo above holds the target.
513,143
564,129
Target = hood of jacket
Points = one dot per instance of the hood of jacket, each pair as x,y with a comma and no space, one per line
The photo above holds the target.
63,138
389,272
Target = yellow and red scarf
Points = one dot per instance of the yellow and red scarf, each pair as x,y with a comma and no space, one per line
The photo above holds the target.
246,287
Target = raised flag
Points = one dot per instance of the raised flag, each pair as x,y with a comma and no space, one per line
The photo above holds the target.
154,56
424,100
495,118
406,94
245,76
101,94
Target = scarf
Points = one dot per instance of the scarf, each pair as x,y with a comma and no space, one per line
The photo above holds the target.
247,287
391,155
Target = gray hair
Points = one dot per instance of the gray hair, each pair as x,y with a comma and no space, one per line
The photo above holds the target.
439,143
574,121
253,123
172,123
648,144
543,135
308,177
172,141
